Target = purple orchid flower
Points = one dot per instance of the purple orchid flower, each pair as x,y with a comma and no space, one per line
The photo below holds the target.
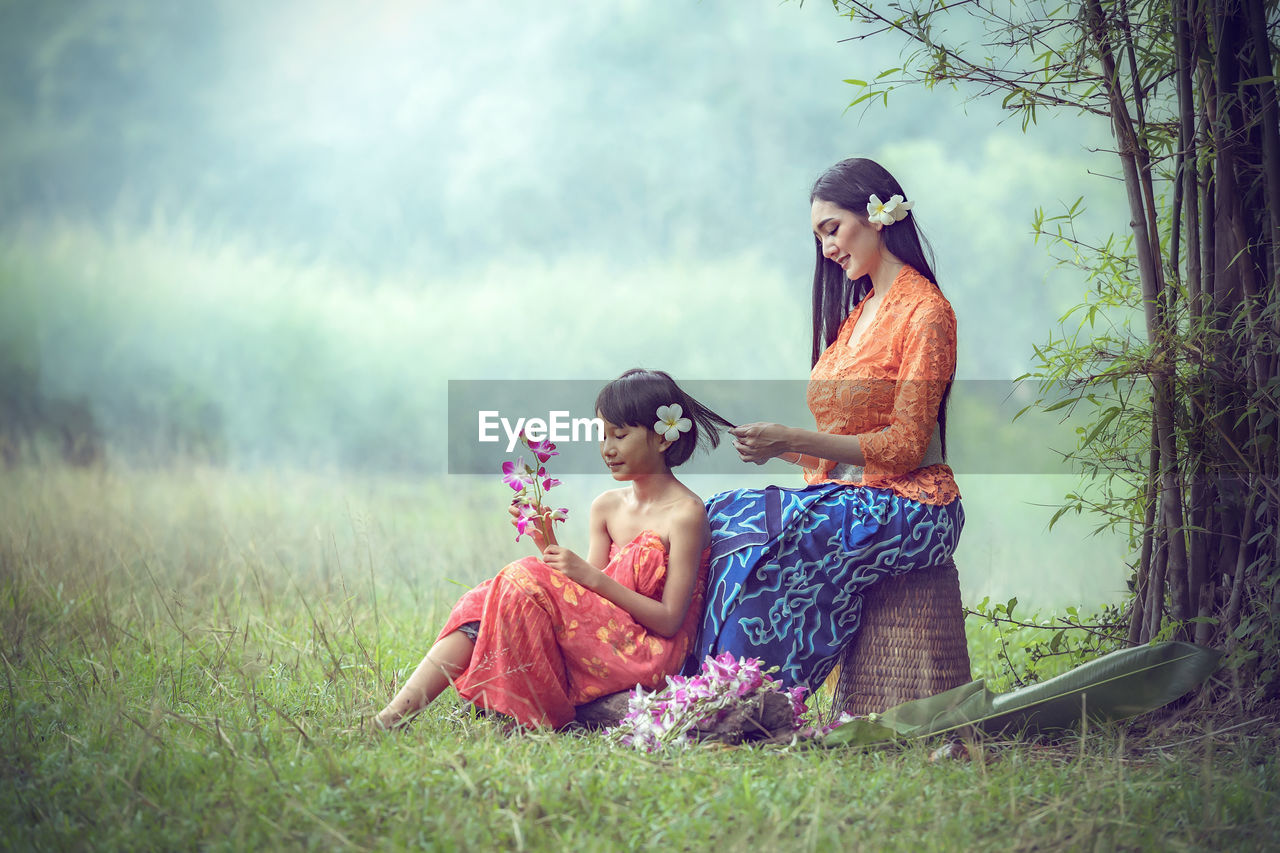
528,518
517,475
668,717
544,449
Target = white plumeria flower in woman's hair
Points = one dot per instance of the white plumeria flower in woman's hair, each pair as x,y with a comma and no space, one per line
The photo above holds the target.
670,424
888,212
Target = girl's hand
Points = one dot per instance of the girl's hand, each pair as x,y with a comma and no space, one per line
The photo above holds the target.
532,531
571,565
759,442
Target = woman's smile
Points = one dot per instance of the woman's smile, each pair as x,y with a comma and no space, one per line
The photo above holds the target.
847,239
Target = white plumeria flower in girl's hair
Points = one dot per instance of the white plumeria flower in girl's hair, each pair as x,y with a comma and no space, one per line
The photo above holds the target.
888,212
670,424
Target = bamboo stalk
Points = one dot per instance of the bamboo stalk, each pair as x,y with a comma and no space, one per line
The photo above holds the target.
1150,276
1184,209
1189,149
1137,618
1231,615
1155,592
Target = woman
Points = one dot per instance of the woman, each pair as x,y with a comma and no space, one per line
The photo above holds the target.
789,566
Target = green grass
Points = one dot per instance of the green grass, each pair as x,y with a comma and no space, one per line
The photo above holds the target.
185,654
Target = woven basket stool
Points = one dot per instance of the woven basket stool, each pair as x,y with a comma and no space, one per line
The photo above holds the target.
910,645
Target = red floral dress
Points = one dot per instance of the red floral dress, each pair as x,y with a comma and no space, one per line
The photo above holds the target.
547,644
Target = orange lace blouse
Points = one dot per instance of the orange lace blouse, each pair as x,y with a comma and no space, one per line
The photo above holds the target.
887,392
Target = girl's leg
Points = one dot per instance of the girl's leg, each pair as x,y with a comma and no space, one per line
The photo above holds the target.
446,660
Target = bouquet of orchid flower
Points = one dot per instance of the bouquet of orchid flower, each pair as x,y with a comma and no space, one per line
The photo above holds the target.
671,716
531,485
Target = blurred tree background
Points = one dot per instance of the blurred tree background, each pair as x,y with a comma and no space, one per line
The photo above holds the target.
250,233
269,235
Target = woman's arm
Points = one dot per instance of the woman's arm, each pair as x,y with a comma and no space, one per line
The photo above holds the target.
760,442
688,536
928,362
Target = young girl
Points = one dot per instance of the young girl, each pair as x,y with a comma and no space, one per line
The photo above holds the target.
556,631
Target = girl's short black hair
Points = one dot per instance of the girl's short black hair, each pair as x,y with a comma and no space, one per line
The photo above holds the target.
633,400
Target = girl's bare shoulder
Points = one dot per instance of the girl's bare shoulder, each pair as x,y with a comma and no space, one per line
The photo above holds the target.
686,521
688,507
607,502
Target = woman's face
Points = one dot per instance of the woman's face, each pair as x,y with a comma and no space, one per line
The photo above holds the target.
850,240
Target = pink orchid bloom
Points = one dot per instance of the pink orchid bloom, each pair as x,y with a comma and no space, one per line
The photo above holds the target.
544,449
799,708
547,482
748,682
517,475
528,518
722,667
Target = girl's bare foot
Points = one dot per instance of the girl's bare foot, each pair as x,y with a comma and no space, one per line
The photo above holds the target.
384,723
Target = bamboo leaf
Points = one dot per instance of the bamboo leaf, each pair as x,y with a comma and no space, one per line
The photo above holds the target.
1107,417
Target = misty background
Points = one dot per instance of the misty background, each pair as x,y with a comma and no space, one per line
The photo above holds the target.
269,235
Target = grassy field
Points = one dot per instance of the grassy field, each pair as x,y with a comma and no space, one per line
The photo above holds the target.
186,655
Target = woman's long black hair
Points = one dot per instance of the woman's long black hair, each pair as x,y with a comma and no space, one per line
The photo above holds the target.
850,184
633,400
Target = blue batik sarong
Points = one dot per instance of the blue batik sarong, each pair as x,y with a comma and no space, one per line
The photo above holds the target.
789,568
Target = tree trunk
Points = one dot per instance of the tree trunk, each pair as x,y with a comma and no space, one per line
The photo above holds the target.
1149,272
1255,13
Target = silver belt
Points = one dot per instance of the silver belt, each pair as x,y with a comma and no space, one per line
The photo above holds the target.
853,473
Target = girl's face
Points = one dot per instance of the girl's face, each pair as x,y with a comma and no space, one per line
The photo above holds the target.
632,451
850,240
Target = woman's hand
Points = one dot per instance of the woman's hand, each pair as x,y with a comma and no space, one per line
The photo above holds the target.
760,442
571,565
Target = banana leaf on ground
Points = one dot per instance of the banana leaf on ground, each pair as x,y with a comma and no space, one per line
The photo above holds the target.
1116,686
